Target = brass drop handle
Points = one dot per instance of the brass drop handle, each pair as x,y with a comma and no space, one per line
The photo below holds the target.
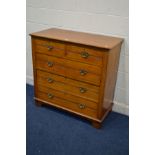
82,106
83,72
50,64
49,48
83,90
50,80
84,54
50,95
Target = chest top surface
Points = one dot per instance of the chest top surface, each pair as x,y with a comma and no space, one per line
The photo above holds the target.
83,38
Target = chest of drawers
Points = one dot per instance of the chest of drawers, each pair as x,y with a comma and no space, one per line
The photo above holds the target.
75,71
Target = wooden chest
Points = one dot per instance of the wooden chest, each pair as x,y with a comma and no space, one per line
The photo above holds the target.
76,71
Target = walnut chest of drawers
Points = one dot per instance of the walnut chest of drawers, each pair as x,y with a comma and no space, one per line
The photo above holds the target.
75,71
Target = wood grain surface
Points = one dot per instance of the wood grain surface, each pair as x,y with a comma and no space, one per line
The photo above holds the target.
100,41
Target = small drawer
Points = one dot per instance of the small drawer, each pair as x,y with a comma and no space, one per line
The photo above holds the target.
90,55
49,47
67,68
48,42
72,87
59,98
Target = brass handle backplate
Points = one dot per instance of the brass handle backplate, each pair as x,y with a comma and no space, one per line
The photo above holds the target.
50,64
83,90
50,80
83,72
50,95
49,48
84,54
82,106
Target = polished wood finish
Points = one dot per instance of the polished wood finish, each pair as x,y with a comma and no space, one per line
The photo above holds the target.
111,75
67,81
49,47
96,124
95,56
63,84
67,104
49,43
76,71
69,68
68,96
95,40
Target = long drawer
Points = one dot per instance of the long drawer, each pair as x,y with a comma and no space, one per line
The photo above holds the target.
57,98
76,88
67,68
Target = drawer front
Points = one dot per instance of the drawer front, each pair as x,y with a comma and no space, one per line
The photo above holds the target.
53,43
85,54
57,98
49,47
69,86
71,69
